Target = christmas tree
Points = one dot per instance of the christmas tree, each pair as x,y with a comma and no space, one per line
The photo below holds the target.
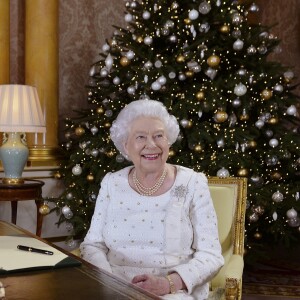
236,109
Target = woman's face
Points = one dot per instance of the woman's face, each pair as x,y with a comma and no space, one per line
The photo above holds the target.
147,144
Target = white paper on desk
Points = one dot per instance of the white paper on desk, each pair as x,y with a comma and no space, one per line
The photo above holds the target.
11,258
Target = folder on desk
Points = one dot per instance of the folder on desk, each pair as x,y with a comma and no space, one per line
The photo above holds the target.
13,260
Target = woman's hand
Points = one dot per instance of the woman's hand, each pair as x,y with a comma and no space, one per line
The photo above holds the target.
157,285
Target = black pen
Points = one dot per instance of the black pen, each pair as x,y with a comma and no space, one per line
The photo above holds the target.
31,249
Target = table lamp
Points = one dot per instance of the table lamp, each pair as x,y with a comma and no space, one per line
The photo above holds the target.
20,112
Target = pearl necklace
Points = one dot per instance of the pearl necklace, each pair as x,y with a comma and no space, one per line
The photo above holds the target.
145,191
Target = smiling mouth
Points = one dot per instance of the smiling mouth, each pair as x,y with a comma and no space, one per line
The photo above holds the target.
150,156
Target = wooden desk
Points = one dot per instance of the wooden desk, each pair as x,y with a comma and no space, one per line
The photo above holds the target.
29,190
77,283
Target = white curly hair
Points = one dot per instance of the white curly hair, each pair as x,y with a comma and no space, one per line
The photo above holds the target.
119,130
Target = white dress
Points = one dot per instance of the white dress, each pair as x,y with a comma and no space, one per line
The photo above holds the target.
131,234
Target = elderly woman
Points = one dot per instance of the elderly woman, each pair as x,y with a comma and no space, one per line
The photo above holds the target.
154,223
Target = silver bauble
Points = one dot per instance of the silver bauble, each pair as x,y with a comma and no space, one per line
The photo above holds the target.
130,54
238,44
193,14
240,89
273,143
131,90
251,50
77,170
95,152
155,86
94,130
69,196
103,72
291,213
204,7
173,39
172,75
116,80
146,15
128,18
184,123
294,222
120,158
253,218
66,209
162,80
236,33
236,102
148,65
278,88
291,110
222,173
277,197
148,40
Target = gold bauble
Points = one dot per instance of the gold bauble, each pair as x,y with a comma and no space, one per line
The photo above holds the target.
200,96
140,39
180,58
220,116
276,176
107,125
224,29
90,177
189,73
171,153
273,120
187,21
244,117
110,154
243,172
189,124
266,94
252,144
100,110
57,175
44,209
213,61
257,235
124,61
79,131
198,148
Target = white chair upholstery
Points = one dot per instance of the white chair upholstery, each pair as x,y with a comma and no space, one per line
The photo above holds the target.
229,198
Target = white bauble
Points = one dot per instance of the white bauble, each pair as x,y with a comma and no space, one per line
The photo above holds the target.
291,110
193,14
155,86
128,18
146,15
148,40
162,80
273,143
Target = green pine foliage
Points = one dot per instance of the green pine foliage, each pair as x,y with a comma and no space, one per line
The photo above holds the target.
236,108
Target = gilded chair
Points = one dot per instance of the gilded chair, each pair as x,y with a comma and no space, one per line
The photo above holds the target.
229,198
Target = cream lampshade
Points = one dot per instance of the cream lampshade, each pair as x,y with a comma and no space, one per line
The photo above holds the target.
20,112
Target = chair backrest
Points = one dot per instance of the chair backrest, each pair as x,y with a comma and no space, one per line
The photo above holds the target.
229,198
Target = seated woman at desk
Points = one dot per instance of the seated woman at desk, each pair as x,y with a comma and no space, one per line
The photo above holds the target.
154,223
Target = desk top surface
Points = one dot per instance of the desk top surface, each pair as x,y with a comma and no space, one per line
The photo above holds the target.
83,282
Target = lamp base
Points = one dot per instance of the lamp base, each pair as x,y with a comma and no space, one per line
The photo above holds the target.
14,154
12,180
